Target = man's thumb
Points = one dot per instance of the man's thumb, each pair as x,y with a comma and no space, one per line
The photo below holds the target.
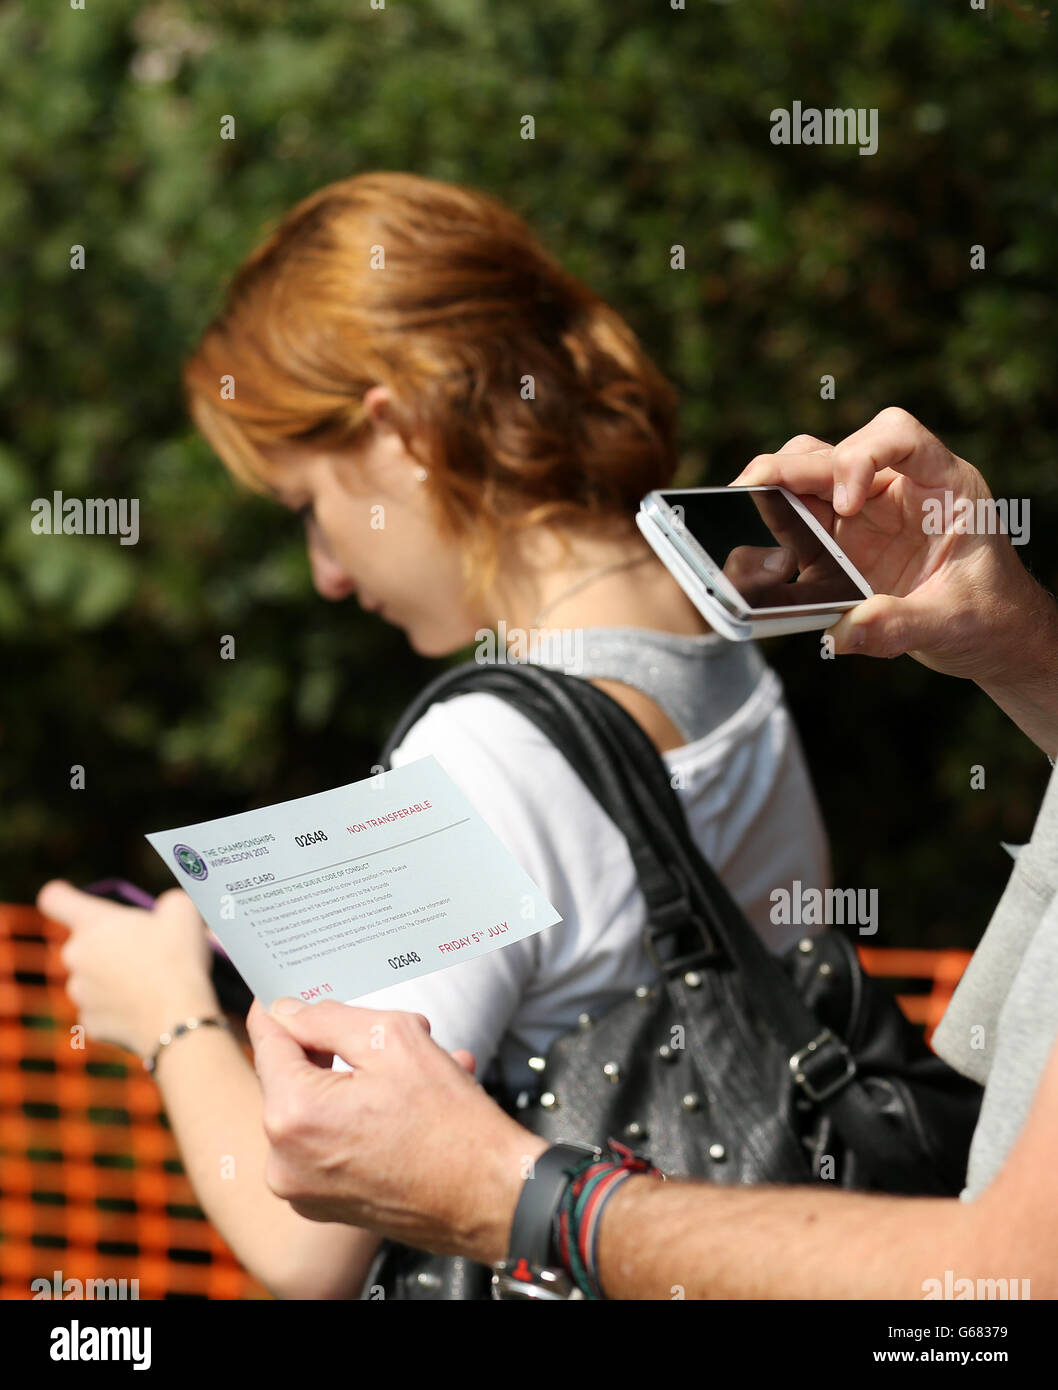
353,1033
465,1059
327,1026
885,626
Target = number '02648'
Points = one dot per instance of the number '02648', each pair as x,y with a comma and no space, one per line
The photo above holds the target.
398,962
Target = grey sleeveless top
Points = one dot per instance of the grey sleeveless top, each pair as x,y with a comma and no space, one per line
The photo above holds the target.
698,681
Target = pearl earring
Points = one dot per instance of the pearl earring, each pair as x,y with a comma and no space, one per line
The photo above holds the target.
421,474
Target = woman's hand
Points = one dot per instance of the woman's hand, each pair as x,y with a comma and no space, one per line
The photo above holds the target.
132,973
960,604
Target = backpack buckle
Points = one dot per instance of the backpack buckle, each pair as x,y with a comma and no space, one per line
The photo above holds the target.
672,917
823,1067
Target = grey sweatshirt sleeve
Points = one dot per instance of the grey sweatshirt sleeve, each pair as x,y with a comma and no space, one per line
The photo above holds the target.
1003,1018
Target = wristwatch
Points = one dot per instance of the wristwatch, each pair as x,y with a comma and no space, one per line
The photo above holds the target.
530,1269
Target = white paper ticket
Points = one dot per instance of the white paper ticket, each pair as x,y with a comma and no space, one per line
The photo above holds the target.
341,893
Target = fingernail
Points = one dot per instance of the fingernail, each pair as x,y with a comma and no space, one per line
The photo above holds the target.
287,1006
841,497
855,637
774,560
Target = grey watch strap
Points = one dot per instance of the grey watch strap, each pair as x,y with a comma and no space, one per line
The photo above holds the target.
541,1194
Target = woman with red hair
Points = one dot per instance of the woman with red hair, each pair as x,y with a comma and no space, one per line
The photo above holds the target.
467,431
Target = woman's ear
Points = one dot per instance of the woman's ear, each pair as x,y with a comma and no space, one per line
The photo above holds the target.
379,410
378,403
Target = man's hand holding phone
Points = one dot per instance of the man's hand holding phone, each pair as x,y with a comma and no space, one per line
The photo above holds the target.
962,604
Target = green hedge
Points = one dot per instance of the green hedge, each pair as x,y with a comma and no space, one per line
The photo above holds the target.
652,128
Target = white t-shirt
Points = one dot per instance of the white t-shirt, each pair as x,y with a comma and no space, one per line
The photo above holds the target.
750,807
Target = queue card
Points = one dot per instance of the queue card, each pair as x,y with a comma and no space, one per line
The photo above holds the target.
341,893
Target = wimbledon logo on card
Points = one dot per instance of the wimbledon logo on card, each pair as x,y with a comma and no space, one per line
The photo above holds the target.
191,862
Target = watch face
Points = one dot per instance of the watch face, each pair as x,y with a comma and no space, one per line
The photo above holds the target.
525,1281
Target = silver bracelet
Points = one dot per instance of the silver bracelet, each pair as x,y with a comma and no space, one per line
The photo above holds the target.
188,1026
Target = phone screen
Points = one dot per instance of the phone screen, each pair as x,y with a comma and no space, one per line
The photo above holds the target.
739,529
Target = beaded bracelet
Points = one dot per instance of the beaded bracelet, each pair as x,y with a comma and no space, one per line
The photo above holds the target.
188,1026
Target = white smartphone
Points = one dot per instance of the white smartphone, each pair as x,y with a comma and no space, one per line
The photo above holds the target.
714,541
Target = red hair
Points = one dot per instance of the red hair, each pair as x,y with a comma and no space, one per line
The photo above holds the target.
446,297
